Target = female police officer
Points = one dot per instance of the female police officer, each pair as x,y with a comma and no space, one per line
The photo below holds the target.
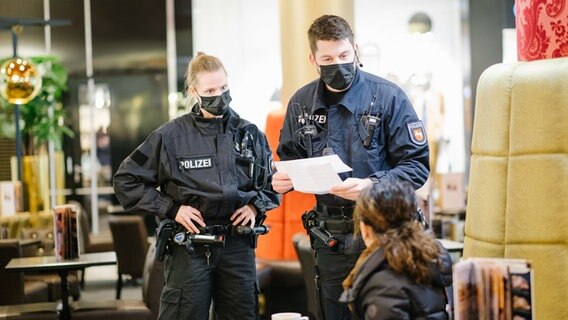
369,123
213,173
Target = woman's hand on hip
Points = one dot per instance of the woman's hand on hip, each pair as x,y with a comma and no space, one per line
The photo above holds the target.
245,215
189,217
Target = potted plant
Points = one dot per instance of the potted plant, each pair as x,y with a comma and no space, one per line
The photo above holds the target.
38,126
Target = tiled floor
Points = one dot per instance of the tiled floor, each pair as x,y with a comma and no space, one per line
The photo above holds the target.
100,284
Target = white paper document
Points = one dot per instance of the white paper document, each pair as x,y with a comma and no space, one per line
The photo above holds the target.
314,175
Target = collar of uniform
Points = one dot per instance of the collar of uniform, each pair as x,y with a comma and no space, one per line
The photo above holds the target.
349,99
209,125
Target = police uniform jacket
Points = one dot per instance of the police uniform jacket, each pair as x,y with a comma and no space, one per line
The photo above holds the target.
379,292
398,149
197,162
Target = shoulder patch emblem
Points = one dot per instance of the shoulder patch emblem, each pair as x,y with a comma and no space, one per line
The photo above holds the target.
417,132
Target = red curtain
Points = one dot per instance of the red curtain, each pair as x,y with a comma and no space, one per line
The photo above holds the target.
542,29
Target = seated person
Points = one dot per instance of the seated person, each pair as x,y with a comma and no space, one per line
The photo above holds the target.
403,271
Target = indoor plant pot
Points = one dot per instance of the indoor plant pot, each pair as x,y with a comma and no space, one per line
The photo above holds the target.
39,127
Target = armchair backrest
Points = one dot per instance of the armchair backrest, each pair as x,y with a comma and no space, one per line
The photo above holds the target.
307,260
153,282
12,283
517,202
130,243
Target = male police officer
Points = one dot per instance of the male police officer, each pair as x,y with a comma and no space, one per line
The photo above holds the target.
370,124
213,170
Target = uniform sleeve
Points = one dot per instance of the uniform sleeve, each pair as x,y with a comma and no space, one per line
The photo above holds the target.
267,198
407,146
138,176
382,303
287,146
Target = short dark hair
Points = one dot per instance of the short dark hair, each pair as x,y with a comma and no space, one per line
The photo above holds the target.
329,27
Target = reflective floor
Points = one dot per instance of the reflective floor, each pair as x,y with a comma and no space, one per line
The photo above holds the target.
100,284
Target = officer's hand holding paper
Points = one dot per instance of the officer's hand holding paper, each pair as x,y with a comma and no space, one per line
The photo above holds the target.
314,175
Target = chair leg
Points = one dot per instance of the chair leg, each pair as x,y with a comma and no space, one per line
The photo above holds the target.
118,286
83,278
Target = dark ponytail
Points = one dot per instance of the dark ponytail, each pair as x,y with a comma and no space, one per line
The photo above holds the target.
410,250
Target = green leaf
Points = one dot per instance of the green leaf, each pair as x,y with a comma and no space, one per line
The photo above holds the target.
35,114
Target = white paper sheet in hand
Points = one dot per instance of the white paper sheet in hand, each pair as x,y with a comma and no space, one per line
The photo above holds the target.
314,175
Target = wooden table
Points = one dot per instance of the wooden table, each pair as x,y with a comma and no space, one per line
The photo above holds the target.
452,246
62,267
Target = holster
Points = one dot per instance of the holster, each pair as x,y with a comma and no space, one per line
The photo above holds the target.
254,237
164,234
316,230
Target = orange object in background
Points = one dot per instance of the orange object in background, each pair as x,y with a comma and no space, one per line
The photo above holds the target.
296,203
285,221
542,29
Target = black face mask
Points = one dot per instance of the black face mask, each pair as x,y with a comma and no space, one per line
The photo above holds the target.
216,105
338,76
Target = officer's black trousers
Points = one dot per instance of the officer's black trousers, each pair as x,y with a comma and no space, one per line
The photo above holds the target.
334,265
229,279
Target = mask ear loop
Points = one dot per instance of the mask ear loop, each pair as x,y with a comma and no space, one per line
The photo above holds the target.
192,103
195,109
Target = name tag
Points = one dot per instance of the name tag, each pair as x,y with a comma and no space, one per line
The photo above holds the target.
195,163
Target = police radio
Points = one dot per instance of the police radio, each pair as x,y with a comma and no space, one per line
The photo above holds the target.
247,153
307,131
259,169
371,123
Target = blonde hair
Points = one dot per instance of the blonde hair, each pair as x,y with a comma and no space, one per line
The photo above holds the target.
389,208
201,63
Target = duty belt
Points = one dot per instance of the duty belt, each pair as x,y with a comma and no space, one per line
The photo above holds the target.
217,229
335,212
230,230
336,225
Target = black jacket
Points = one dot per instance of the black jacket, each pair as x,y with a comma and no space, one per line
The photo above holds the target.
394,152
379,292
196,161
